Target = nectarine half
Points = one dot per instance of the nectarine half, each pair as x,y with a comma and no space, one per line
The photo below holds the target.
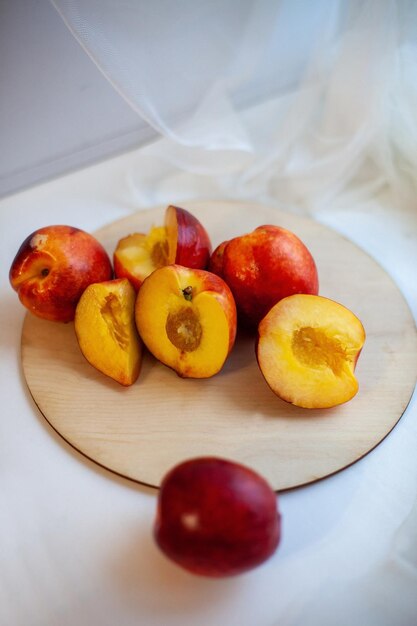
106,330
307,350
187,319
182,240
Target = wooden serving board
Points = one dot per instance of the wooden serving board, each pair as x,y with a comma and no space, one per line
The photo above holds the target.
142,431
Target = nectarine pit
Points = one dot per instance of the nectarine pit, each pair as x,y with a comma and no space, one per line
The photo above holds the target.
314,348
183,329
111,311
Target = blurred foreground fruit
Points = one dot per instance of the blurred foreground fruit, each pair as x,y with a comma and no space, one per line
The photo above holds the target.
106,330
263,267
182,240
52,268
187,319
216,517
307,350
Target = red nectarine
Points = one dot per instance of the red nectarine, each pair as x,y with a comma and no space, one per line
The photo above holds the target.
52,268
263,267
216,517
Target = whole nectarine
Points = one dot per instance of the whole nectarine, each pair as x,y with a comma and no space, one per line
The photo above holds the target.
216,517
263,267
52,268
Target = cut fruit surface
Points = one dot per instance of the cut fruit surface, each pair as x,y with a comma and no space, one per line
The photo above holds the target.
106,331
138,255
307,351
182,240
187,319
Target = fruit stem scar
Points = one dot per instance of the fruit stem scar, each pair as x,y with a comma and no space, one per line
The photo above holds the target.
45,271
188,293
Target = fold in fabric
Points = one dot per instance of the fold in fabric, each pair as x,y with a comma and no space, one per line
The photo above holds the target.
289,101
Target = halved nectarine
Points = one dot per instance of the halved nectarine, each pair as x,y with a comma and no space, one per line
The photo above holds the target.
187,319
307,351
106,330
182,240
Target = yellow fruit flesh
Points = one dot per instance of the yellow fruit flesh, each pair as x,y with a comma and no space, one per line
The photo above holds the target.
106,331
307,351
314,348
188,333
142,254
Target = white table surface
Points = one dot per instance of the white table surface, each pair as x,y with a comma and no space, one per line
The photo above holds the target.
75,540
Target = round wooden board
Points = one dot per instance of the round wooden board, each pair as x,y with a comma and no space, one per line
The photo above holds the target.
142,431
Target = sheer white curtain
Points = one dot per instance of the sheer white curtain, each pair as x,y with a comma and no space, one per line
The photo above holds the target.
291,101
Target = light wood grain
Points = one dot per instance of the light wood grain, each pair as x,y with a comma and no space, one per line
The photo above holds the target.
142,431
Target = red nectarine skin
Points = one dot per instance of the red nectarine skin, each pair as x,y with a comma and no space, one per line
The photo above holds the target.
193,242
52,268
216,259
265,266
216,517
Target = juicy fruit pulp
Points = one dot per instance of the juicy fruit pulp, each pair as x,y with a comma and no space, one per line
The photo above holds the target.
182,240
138,255
106,331
187,319
307,351
216,517
263,267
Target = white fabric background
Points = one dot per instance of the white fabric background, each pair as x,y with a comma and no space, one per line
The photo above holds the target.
289,100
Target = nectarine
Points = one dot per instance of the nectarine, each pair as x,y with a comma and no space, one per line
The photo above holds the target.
307,351
263,267
187,319
216,517
52,268
106,330
182,240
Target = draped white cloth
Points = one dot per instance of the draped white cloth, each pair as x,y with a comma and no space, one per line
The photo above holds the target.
290,101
